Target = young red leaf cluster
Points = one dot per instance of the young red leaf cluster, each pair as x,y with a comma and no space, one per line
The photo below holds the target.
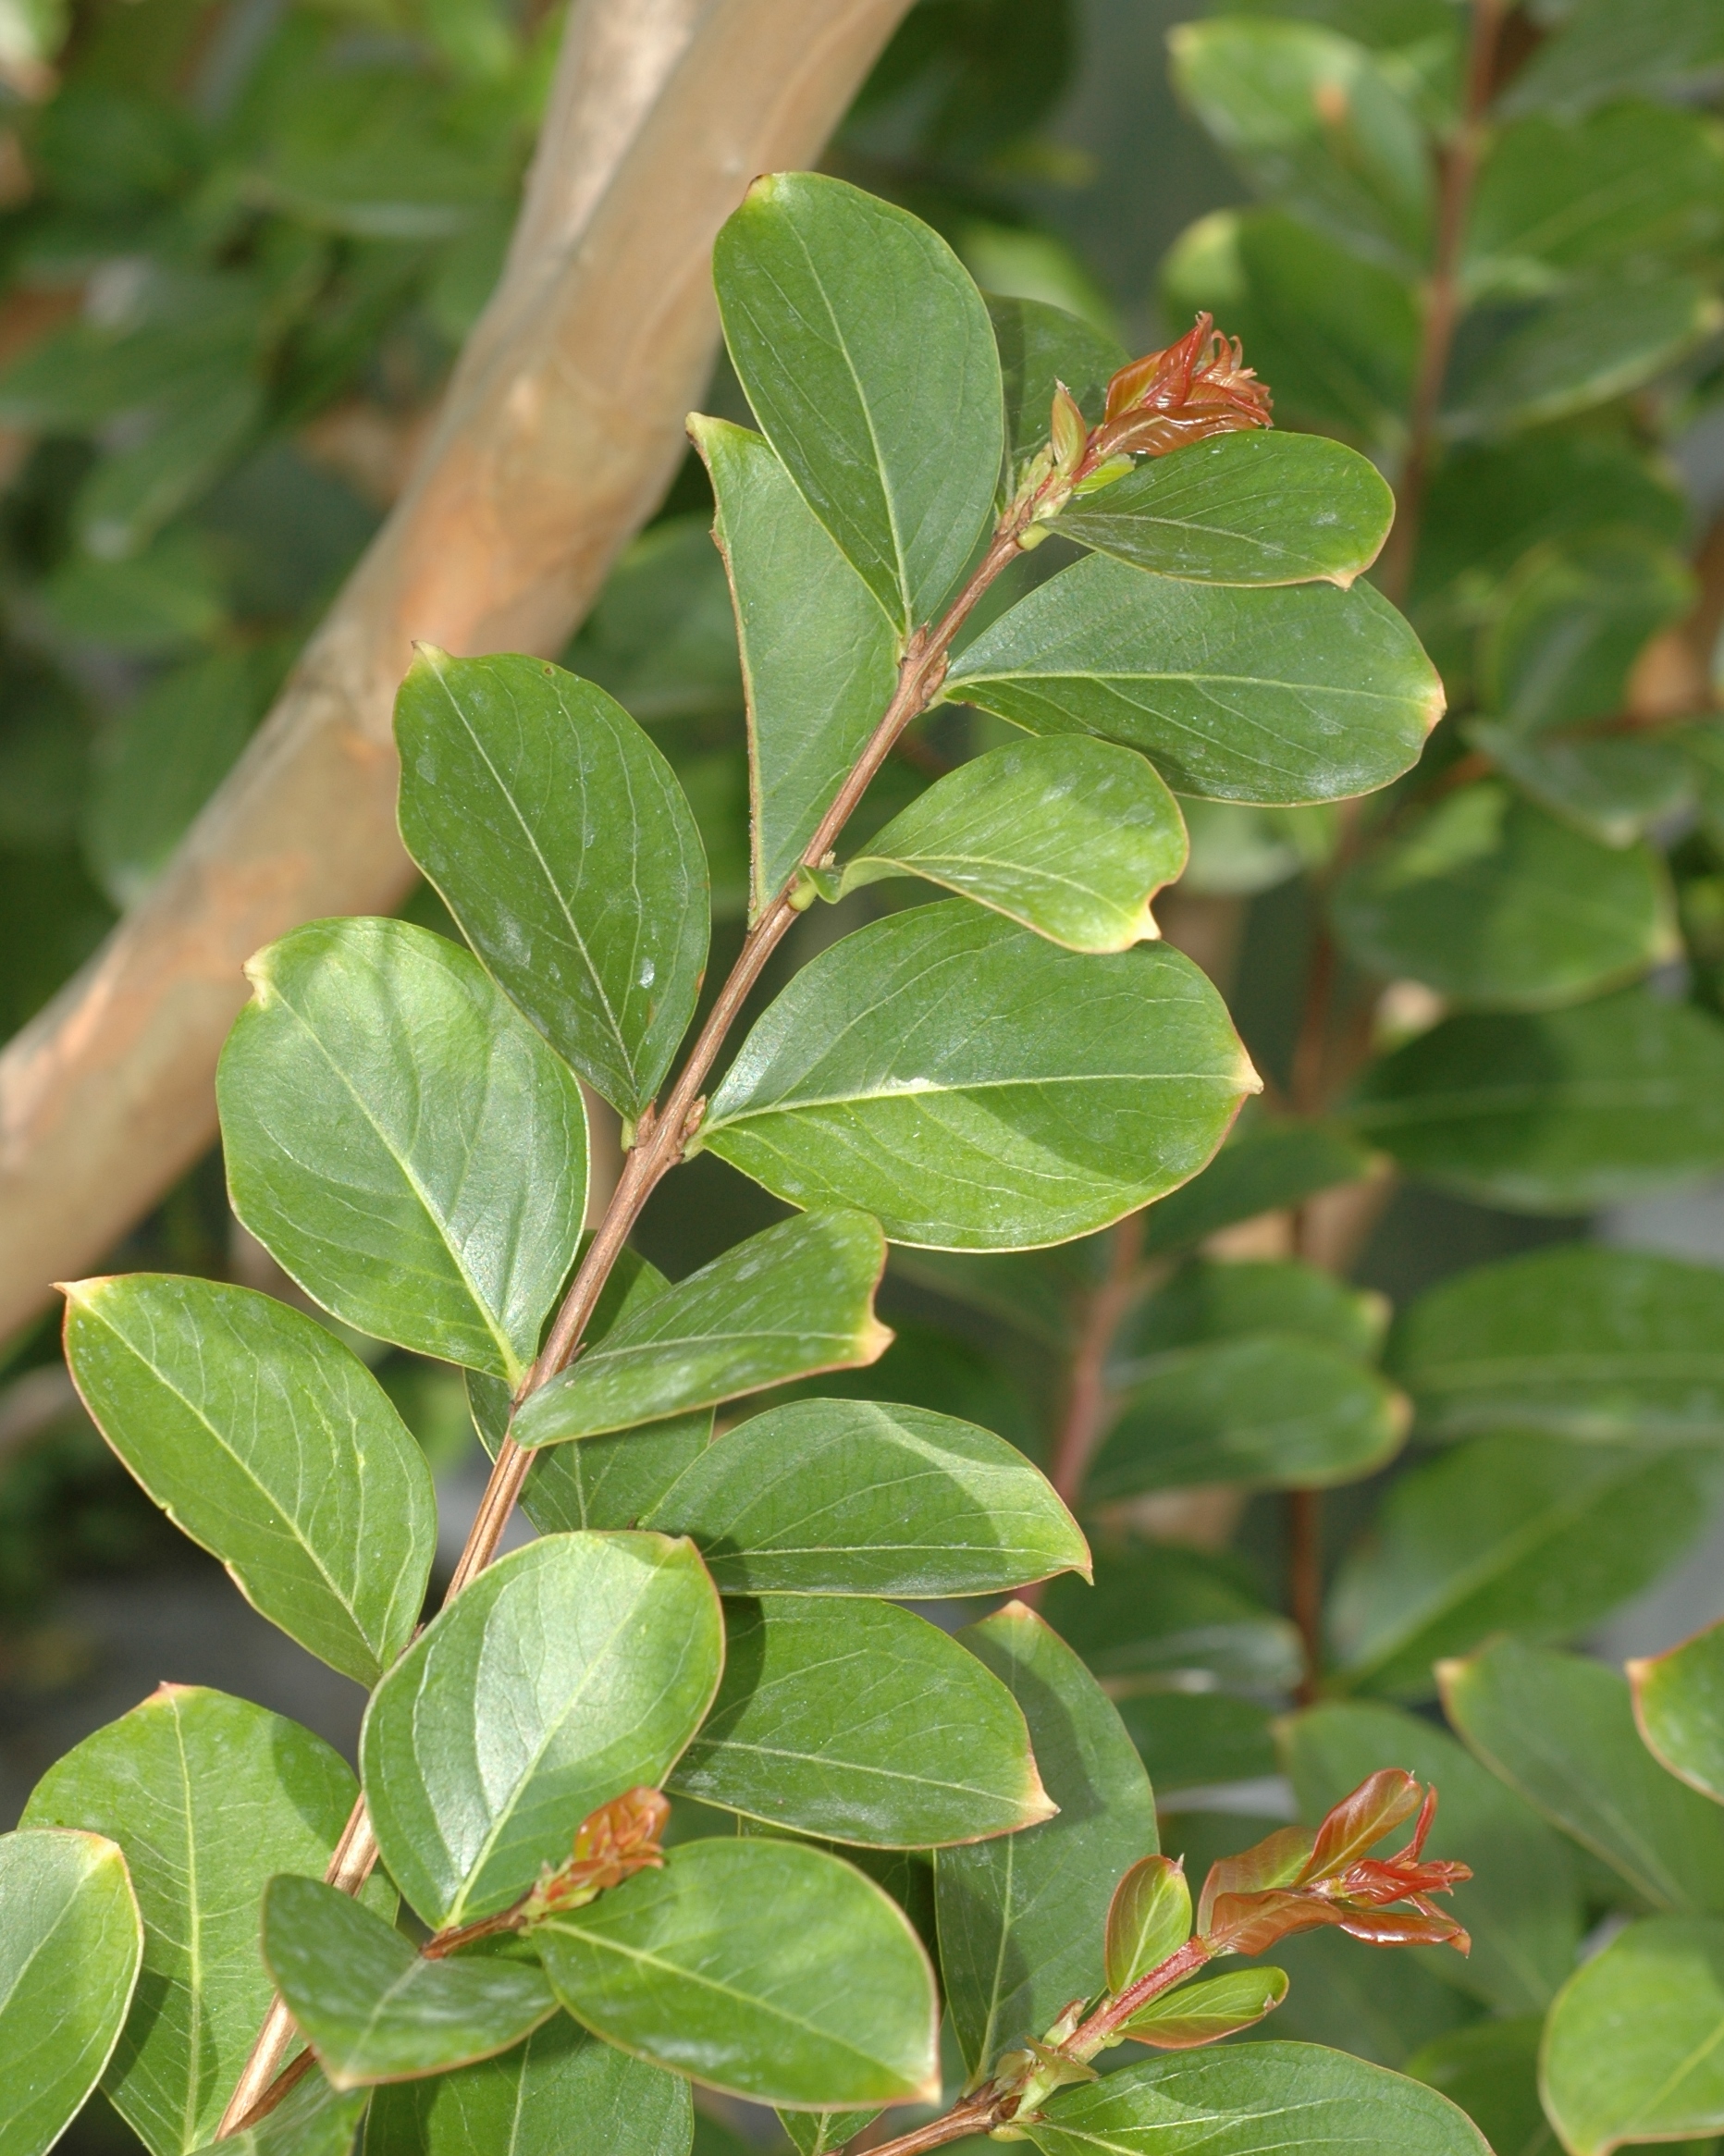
610,1845
1195,388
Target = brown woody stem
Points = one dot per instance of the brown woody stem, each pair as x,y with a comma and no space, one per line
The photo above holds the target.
1108,2019
979,2114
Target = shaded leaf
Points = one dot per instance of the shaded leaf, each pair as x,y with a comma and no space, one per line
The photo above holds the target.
766,1969
854,1720
976,1088
1307,694
866,1497
1491,2071
1212,1299
1040,346
272,1446
403,1142
796,1298
1611,787
312,2119
1194,1741
1158,1610
1602,52
1021,1919
822,2133
569,1671
1267,1165
563,845
869,360
1678,1707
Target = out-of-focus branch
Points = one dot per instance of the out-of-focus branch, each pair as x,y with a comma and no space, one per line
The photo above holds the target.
561,430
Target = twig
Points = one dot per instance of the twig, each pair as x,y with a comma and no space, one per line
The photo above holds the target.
1304,1515
1087,1397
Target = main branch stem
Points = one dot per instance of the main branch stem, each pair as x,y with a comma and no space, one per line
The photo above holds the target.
660,1138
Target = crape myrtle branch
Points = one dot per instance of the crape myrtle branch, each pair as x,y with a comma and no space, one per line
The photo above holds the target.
1295,1879
1197,387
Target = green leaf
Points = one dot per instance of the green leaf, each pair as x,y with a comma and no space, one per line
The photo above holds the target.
1585,1342
661,638
1238,850
869,360
977,1089
795,1298
1634,2045
1149,1919
1022,1919
1377,2006
1040,346
1488,900
563,845
1560,1729
1070,837
375,2010
820,660
1210,1299
1275,1410
1633,185
207,1796
1250,2097
857,1721
572,1671
1528,1534
273,1447
1602,52
312,2119
865,1497
1678,1705
1264,1167
384,1111
1491,2071
1581,348
1202,2013
1556,1112
823,2133
1611,787
1243,509
1308,693
766,1969
1523,1904
1313,123
1194,1741
1158,1610
69,1945
562,2093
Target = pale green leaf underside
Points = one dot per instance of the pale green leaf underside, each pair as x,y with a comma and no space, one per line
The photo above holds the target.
70,1941
563,845
857,1721
865,1497
572,1671
796,1298
976,1088
270,1445
1068,836
1309,693
403,1142
766,1969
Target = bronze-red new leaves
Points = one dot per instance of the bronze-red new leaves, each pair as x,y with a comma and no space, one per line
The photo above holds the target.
1297,1879
610,1845
1193,390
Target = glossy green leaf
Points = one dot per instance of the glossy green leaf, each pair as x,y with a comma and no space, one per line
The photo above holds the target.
1522,1903
766,1969
1265,1166
562,2093
1635,2047
1630,186
1611,787
1212,1299
1582,1341
823,2133
312,2119
1202,2013
795,1298
820,660
1040,346
1315,123
1560,1729
1602,52
375,2010
869,360
1070,837
71,1940
272,1446
563,845
1582,349
1678,1705
1275,1410
1556,1112
1504,1533
854,1720
1245,2097
1158,1610
572,1671
403,1142
866,1497
207,1796
1021,1919
1307,694
1243,509
1491,902
977,1088
1149,1919
1491,2071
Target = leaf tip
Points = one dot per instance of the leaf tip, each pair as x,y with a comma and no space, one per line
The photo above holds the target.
874,1339
83,1292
